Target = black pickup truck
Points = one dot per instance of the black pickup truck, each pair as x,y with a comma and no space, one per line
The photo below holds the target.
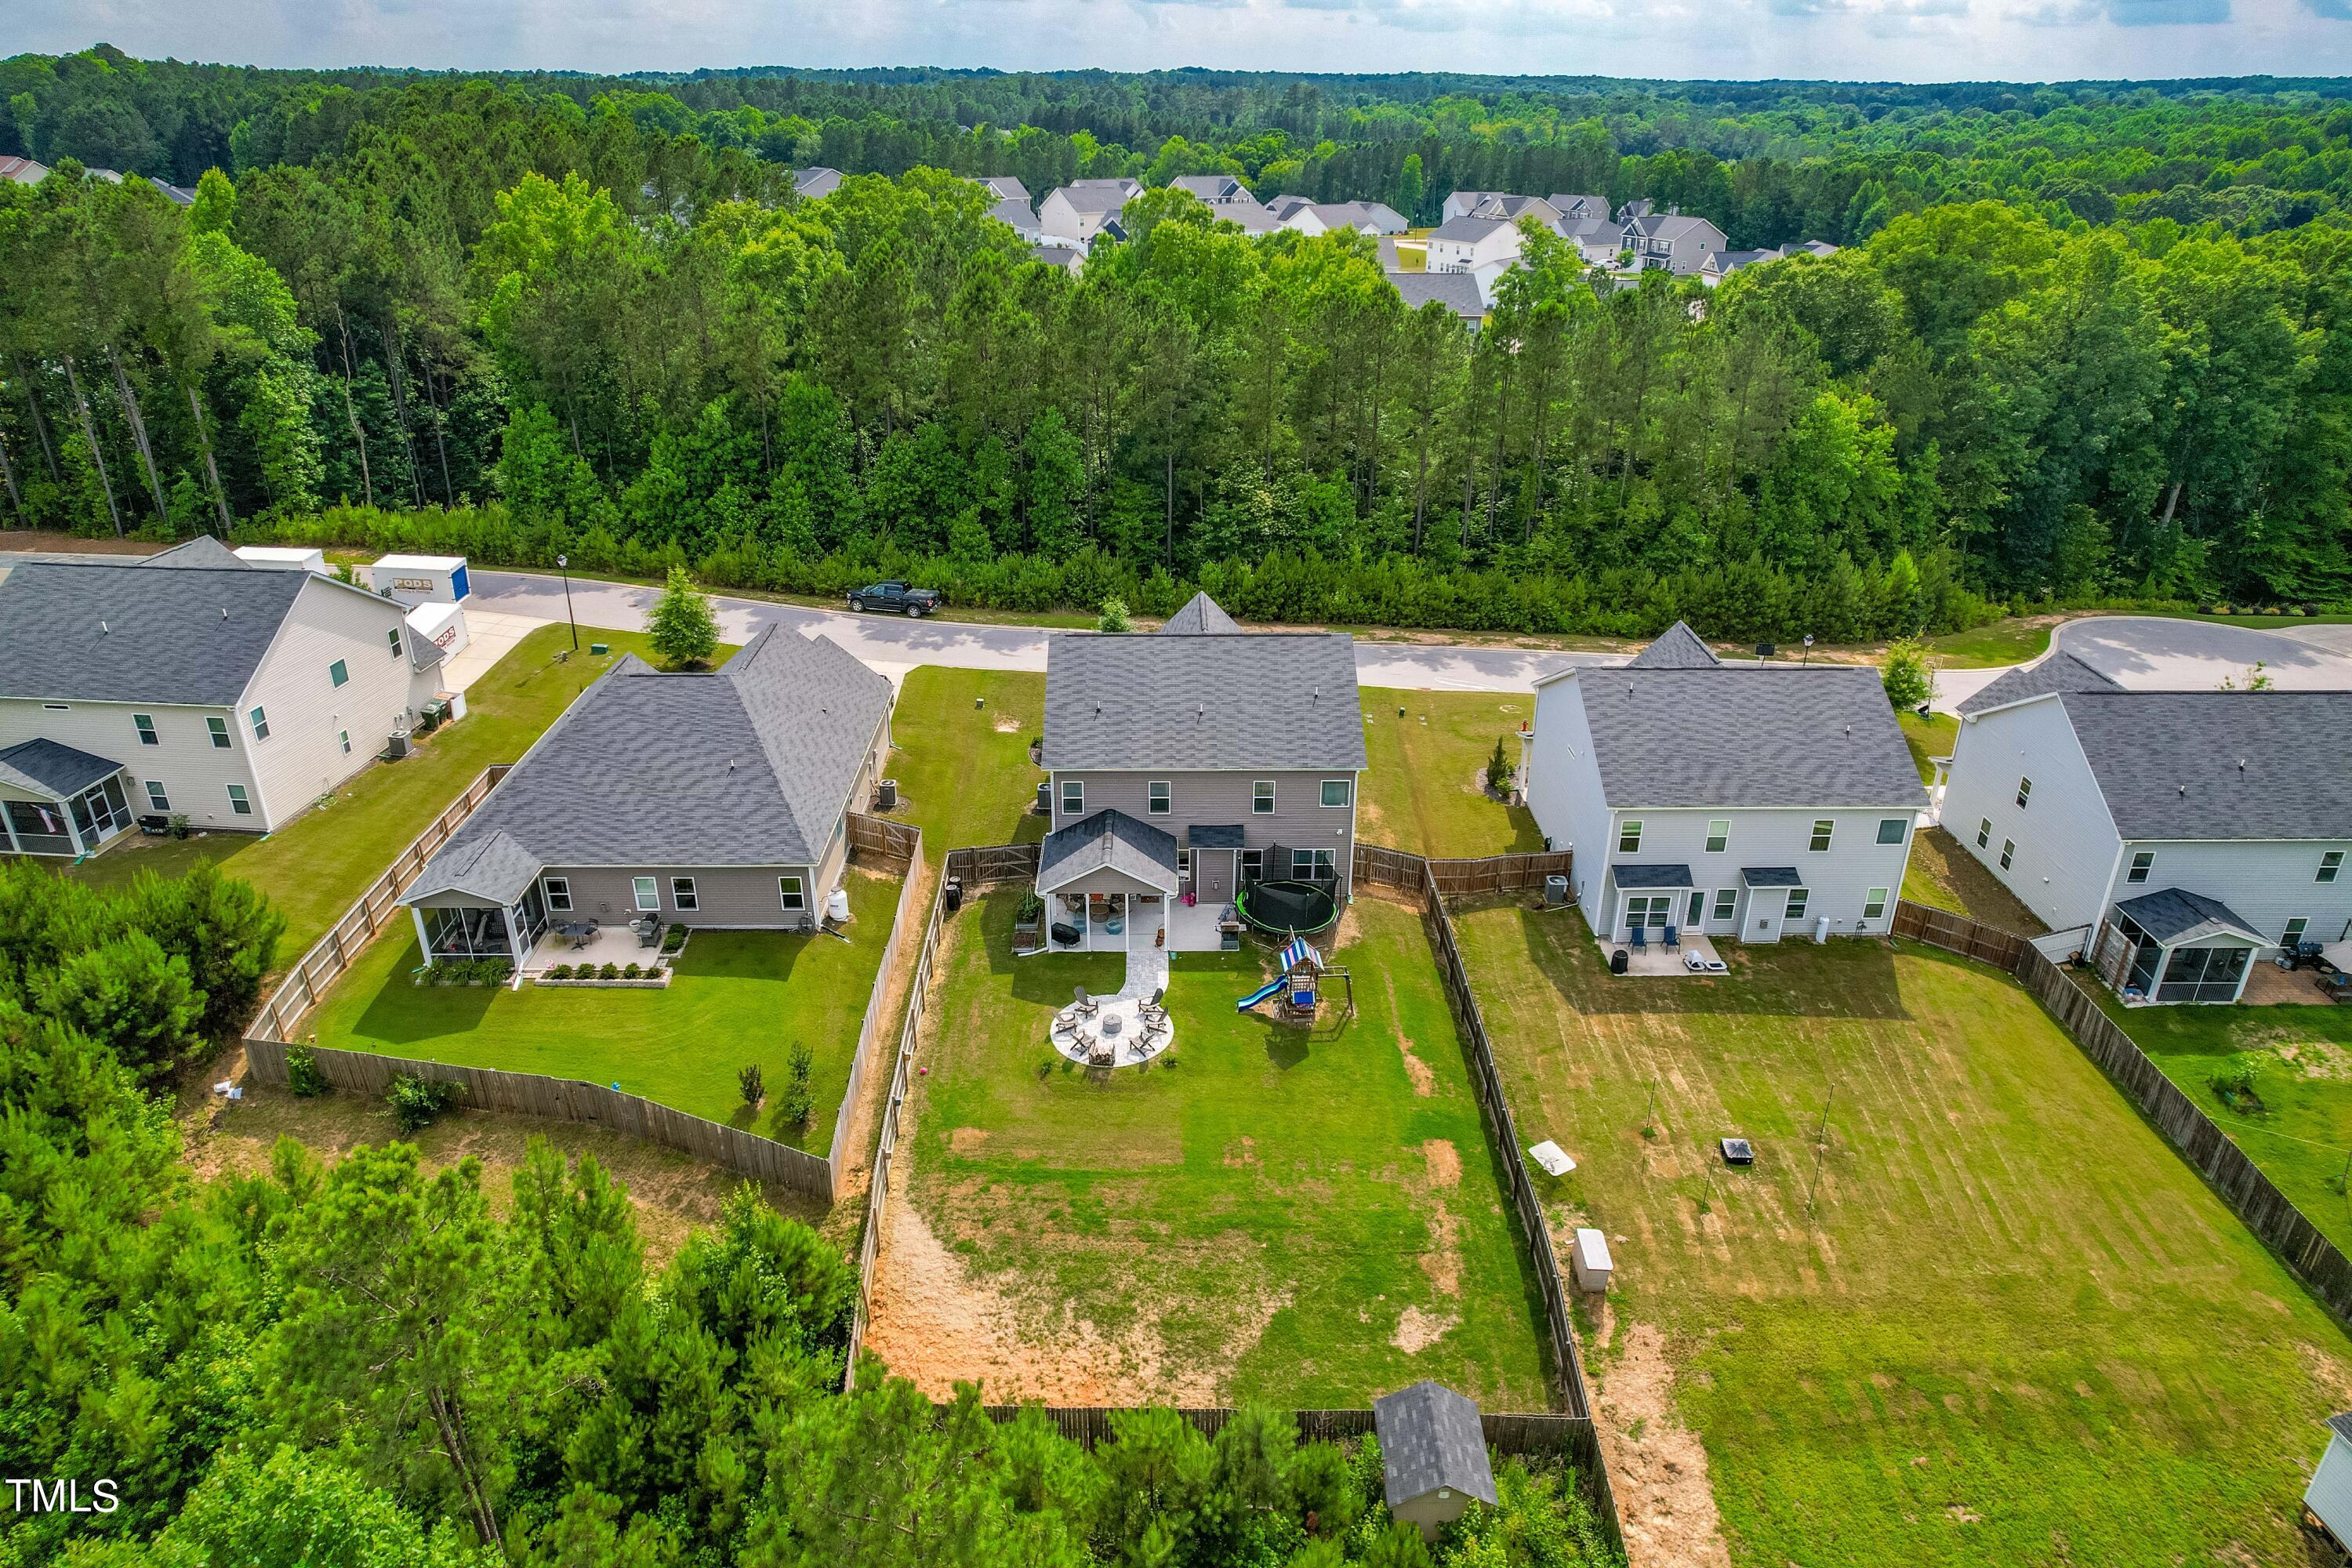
893,598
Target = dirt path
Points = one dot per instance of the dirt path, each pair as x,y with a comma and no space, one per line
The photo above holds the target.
1657,1466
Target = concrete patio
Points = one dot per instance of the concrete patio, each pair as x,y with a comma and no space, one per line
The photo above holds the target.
1654,959
1117,1022
611,944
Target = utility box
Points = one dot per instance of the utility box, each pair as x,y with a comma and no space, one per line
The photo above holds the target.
1590,1257
414,580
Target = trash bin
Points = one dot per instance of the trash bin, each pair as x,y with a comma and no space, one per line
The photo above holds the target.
1618,961
954,894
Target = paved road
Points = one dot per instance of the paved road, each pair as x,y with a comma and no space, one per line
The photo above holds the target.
893,644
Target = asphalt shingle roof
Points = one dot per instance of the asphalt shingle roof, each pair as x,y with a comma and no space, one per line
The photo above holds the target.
204,550
1457,292
2060,672
1109,840
1207,700
43,764
1469,228
1201,614
748,766
1652,876
1676,648
2168,762
129,634
1770,877
1431,1437
1225,837
1748,735
2175,915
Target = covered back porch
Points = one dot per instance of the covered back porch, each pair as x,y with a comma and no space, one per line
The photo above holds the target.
58,800
2176,946
1108,883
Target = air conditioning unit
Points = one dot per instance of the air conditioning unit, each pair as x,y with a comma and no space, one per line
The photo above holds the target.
1555,892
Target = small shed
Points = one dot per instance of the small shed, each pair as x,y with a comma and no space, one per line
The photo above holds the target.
2329,1499
1590,1257
284,557
1433,1455
414,580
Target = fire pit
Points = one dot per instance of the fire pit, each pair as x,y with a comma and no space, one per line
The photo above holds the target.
1111,1025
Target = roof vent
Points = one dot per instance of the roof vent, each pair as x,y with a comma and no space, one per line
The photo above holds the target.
103,632
2184,791
224,612
2241,765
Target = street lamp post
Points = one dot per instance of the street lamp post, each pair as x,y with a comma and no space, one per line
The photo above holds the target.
563,564
1809,650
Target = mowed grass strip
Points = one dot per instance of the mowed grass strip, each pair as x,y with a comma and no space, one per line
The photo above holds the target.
740,997
316,867
964,770
2299,1127
1426,789
1305,1219
2017,1328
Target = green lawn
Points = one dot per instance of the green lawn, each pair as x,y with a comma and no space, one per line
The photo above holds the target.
317,866
1929,737
963,771
1425,788
1303,1220
2002,642
739,998
2016,1330
2302,1132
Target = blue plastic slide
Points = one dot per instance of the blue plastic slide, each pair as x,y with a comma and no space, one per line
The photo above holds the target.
1261,993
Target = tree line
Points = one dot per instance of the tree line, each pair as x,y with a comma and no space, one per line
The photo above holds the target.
485,312
369,1362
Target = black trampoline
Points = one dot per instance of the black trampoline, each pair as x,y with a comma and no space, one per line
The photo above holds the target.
1290,908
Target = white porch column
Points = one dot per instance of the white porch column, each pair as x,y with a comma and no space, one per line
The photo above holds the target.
514,934
8,830
424,942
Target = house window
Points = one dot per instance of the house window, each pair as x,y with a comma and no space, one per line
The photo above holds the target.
682,894
1795,911
1183,862
1253,865
395,636
1335,791
2143,862
343,739
1312,865
788,894
559,893
237,802
2329,865
156,797
147,736
1648,912
1984,832
219,726
1158,798
1718,836
1725,897
1629,838
1698,908
1873,904
1262,798
1074,797
260,717
2008,852
338,673
1890,830
648,893
1822,831
2024,788
2294,933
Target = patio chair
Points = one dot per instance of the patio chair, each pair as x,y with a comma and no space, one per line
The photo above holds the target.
1081,1003
1154,1029
1673,940
1641,940
1152,1011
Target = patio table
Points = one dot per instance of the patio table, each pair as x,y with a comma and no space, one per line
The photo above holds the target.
577,932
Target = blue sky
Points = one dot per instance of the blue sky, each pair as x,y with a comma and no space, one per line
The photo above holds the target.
1915,40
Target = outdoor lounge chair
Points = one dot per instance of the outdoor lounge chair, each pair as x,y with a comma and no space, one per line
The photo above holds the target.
1673,940
1081,1003
1152,1011
1641,939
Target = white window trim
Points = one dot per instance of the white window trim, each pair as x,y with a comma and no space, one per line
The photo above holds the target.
223,737
1984,832
683,894
792,893
2294,930
145,724
1725,905
646,892
343,739
1077,788
2008,853
1348,786
1262,804
240,801
1873,904
551,888
1797,905
1164,803
1183,861
2024,790
1902,826
2134,872
1712,846
2331,867
393,633
345,667
158,796
1630,828
259,717
1827,838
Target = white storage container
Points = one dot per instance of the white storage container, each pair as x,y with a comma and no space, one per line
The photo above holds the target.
284,557
443,626
836,906
419,579
1590,1257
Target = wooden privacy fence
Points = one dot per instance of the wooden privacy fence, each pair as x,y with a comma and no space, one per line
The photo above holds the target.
883,839
1087,1425
1958,933
2256,1200
332,953
885,846
1383,866
1000,862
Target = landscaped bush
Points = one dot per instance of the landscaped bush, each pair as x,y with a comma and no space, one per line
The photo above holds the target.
2234,1081
416,1101
560,972
753,1084
631,972
302,1074
610,972
673,940
792,1106
472,971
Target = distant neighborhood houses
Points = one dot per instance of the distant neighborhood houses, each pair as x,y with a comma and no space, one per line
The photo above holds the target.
25,172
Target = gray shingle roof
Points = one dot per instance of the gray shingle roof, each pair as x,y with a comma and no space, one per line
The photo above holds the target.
1469,228
1099,195
1431,1437
1109,840
1227,837
2060,672
1201,614
1210,188
204,550
164,638
2341,1425
1007,188
43,764
2167,762
2175,915
1652,876
494,867
1211,700
1748,735
748,766
1676,648
1770,877
1457,292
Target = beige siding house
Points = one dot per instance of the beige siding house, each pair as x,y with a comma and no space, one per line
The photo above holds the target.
714,799
190,684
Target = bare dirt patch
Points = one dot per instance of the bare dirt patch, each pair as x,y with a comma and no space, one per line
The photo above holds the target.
967,1140
1422,1076
1444,1163
1008,726
1657,1466
1416,1331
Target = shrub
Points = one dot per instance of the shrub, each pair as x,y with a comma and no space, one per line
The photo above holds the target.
610,972
753,1084
797,1100
131,996
559,971
2236,1078
302,1073
631,972
1498,768
178,826
1909,676
416,1101
1114,617
672,939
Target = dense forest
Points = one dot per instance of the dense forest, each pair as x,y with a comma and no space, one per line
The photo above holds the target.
2085,341
375,1365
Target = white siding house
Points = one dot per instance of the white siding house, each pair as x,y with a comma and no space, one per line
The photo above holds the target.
2328,1497
1732,800
2198,829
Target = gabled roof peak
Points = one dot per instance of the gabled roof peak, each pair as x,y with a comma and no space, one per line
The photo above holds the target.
1676,648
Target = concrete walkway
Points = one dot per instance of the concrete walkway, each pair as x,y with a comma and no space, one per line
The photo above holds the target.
1119,1020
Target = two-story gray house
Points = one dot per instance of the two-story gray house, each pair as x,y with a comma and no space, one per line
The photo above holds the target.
191,684
1192,762
716,799
2185,833
1670,242
1729,800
